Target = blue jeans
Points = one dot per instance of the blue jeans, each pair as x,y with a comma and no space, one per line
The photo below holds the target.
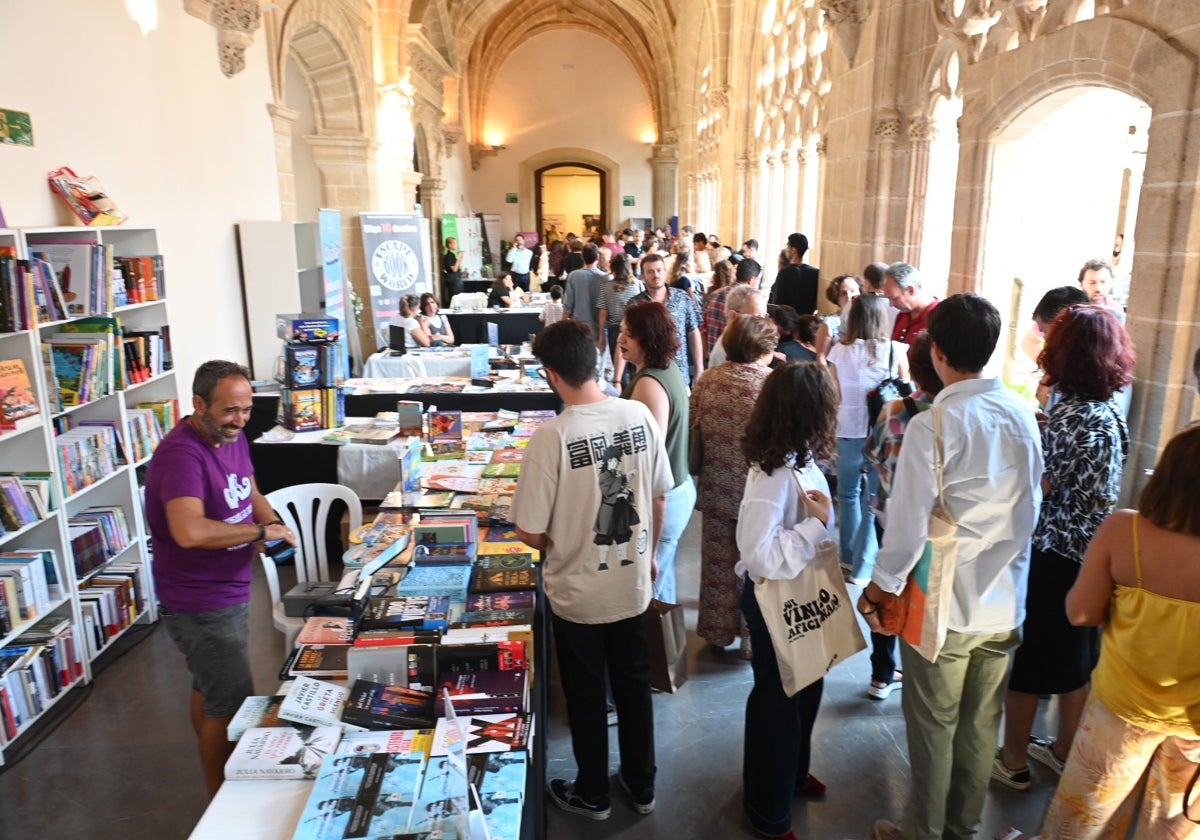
680,503
778,739
856,523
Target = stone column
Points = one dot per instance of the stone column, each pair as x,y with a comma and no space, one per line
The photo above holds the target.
664,171
921,131
283,119
887,129
432,191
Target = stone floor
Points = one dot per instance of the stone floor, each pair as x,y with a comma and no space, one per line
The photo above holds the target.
123,763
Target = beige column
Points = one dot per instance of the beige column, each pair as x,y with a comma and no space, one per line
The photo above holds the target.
921,131
283,120
432,192
664,172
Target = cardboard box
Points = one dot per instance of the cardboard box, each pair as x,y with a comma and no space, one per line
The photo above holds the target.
307,328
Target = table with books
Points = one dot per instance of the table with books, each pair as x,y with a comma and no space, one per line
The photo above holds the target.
430,686
513,325
437,362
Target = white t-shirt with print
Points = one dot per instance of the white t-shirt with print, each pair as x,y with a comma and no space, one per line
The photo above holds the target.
569,479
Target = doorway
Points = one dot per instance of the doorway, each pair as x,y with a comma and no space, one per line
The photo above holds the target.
570,197
1065,180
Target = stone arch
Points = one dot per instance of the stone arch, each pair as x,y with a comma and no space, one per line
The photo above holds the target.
527,178
322,40
1164,313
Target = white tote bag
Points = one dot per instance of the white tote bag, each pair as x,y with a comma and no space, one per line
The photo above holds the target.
810,619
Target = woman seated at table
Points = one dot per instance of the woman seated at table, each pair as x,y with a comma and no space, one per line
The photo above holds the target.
415,335
437,325
501,293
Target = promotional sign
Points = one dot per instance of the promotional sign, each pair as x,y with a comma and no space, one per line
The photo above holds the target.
394,253
329,223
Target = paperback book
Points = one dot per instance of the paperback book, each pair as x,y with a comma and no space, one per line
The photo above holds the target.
314,702
281,753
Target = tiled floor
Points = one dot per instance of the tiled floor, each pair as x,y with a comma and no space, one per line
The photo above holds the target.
124,763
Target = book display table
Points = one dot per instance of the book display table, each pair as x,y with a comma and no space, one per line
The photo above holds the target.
383,365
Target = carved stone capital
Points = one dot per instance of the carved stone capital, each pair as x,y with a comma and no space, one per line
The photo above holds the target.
236,22
921,128
887,128
451,135
822,147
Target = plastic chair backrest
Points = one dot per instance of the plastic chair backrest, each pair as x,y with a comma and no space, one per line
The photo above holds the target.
413,366
305,508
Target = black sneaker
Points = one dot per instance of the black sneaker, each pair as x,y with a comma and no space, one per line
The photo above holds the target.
643,798
1016,779
562,793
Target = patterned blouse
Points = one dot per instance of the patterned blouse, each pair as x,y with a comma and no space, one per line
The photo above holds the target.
883,445
1085,444
685,312
721,404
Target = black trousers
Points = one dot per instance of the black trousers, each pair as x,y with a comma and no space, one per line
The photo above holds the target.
521,281
587,655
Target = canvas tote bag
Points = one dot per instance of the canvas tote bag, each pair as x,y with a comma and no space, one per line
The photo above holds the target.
921,612
810,619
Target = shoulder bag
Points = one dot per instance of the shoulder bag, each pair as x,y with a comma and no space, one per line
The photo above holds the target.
891,388
810,618
921,612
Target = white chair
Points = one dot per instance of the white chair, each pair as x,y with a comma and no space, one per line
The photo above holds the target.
413,366
305,509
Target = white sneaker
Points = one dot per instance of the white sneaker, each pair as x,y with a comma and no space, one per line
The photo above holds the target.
881,691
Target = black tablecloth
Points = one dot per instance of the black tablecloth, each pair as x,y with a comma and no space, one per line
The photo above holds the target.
515,327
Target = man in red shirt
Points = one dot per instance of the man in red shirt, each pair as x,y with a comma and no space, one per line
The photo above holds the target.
902,286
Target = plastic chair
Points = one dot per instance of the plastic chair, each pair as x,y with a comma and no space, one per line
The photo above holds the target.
413,366
305,509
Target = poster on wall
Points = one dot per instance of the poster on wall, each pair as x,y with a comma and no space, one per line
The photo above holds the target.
554,227
329,223
394,253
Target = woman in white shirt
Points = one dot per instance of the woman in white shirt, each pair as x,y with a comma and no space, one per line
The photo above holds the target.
861,359
415,335
785,514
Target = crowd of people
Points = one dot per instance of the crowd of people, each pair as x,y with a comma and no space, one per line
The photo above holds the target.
759,412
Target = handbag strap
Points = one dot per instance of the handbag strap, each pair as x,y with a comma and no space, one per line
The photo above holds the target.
937,457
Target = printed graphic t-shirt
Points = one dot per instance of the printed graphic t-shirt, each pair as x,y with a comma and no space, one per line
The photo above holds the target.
575,489
193,580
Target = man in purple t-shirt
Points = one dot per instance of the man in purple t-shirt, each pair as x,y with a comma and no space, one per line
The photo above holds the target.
206,518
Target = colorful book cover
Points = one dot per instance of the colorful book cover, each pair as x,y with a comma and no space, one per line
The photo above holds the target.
505,486
375,705
320,661
483,733
445,426
17,398
502,469
522,599
386,741
421,612
483,692
258,711
326,630
503,572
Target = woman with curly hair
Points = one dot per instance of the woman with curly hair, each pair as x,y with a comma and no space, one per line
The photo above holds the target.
1086,359
720,406
648,339
785,514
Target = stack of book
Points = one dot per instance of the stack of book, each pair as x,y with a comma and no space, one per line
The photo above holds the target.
34,672
312,367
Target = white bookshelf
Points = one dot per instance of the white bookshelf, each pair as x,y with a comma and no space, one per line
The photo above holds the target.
33,450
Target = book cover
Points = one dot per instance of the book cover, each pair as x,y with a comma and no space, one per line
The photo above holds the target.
320,661
17,398
449,580
373,705
445,426
482,733
483,692
420,612
455,658
314,702
326,630
281,753
495,618
258,711
386,741
506,486
502,572
480,503
410,418
508,456
363,796
502,470
522,599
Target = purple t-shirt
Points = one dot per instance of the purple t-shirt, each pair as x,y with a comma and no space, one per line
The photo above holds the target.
195,580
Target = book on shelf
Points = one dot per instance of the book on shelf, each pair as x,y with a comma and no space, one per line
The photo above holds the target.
482,733
17,508
142,278
314,702
78,364
109,328
320,661
312,366
28,569
74,265
281,753
18,402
